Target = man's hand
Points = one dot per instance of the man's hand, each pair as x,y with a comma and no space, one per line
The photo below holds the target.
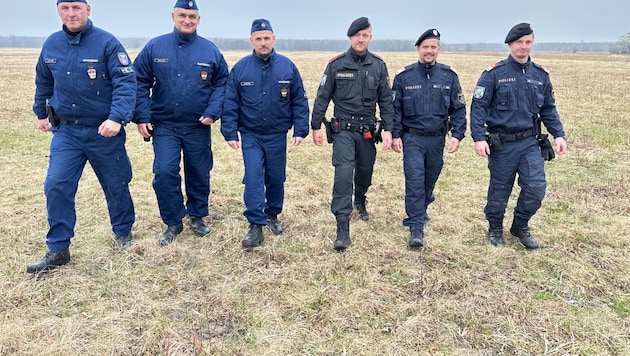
387,140
297,141
206,120
318,138
453,146
109,128
234,144
560,145
397,145
482,149
43,125
144,129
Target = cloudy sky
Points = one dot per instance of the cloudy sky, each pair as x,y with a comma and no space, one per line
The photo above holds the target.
459,21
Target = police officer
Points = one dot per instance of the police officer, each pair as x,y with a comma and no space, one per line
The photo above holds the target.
181,84
85,76
507,98
428,99
355,81
264,98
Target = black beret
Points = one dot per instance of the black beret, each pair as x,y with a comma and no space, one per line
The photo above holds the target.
518,31
430,33
357,25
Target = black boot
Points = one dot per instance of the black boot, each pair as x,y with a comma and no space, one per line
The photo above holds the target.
121,242
343,234
171,233
359,204
416,239
524,236
254,237
495,235
274,224
198,226
51,260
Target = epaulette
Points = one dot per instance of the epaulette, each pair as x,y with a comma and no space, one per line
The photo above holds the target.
539,66
498,64
405,68
378,57
447,67
335,58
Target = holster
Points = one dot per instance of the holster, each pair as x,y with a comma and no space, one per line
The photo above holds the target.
546,150
52,117
494,141
329,131
377,131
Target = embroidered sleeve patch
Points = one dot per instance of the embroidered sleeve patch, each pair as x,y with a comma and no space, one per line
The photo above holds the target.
479,91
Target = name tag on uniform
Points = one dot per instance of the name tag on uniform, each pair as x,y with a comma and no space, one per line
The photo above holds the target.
89,60
204,64
50,60
160,60
345,75
247,84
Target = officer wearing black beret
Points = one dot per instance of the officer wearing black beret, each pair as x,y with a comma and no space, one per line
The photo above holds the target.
510,99
356,81
432,97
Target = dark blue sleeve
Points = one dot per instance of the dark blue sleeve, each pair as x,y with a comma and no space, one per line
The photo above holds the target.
44,83
144,75
123,79
231,103
219,80
457,111
299,105
549,113
397,99
480,107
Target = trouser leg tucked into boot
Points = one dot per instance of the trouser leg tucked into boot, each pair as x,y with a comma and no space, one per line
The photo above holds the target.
343,234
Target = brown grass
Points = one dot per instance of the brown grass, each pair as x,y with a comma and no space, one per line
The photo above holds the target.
294,295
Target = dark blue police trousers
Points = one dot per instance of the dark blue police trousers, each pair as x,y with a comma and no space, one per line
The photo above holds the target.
71,147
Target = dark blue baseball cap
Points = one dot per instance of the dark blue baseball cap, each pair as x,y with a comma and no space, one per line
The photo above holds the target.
186,4
261,25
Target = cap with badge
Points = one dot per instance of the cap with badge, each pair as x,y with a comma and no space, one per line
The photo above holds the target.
186,4
83,1
357,25
518,31
430,33
261,25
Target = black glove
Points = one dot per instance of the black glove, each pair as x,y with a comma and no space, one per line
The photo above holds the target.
545,148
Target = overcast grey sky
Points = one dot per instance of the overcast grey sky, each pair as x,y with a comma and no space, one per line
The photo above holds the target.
459,21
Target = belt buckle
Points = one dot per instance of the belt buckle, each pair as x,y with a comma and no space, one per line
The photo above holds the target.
519,135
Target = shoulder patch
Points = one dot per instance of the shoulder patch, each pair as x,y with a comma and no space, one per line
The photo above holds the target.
335,58
539,66
400,70
491,67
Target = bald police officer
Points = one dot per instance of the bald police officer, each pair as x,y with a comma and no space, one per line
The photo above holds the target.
181,84
508,97
428,101
356,81
85,75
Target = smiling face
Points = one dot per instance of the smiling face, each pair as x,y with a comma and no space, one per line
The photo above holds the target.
428,50
360,41
521,48
186,21
74,15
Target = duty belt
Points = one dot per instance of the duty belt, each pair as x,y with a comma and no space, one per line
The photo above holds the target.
417,132
517,136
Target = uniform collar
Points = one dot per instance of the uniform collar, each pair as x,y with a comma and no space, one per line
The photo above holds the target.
184,38
75,37
263,60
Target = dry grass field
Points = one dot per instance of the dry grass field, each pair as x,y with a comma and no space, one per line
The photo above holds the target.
295,295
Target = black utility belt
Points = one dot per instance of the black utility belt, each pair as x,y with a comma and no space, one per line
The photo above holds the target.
505,137
60,121
417,132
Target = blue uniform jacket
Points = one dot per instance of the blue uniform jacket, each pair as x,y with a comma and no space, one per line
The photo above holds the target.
508,95
87,77
264,97
180,78
425,98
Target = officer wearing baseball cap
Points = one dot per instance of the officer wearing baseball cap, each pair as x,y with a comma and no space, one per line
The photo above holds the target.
518,31
261,25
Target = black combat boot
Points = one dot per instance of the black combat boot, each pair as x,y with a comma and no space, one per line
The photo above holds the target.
495,235
359,204
524,236
51,260
254,237
198,226
274,224
171,233
416,239
121,242
343,234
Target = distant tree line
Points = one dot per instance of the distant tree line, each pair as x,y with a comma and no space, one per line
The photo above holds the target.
238,44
